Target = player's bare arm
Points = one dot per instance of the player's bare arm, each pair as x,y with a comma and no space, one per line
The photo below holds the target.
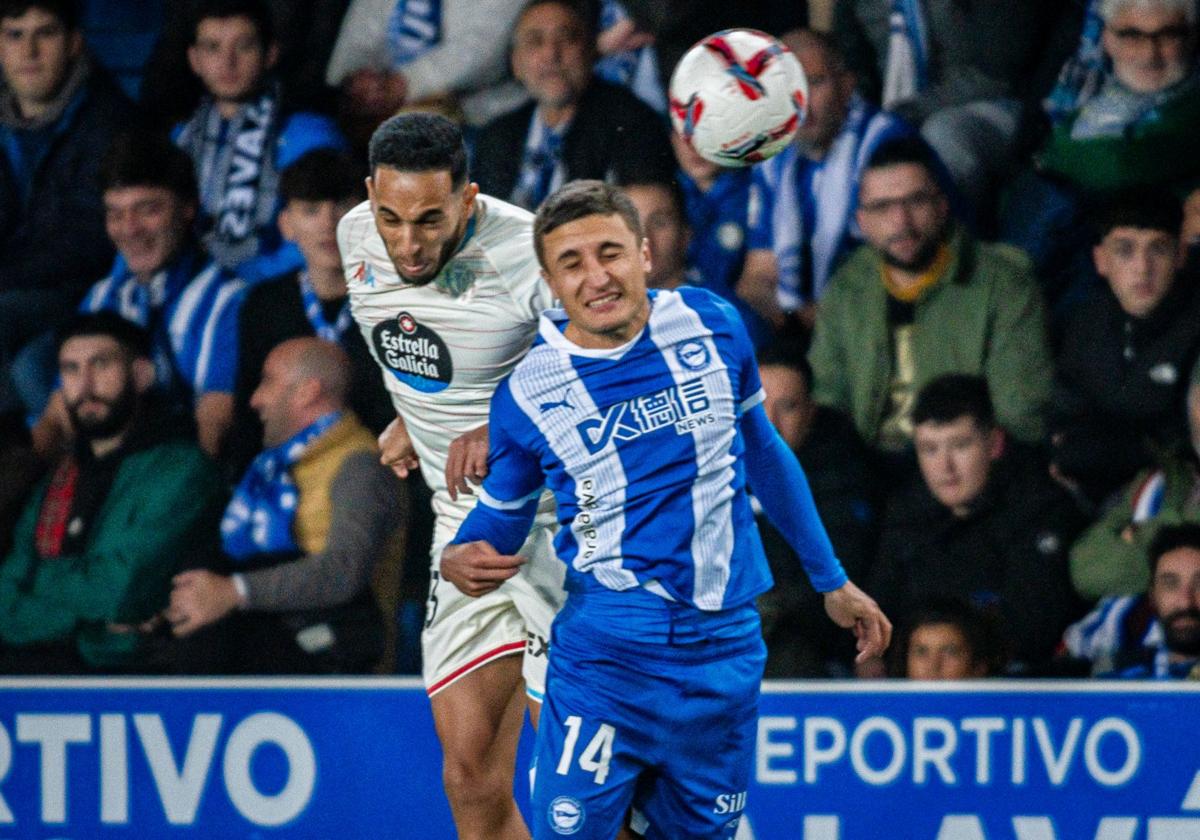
476,568
396,449
467,460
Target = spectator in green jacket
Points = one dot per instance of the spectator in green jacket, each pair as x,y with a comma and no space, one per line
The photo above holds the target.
923,298
95,548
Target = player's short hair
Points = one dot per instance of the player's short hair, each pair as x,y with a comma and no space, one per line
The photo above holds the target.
1144,209
67,11
1171,538
256,11
322,175
577,200
148,160
586,12
132,338
1108,8
955,395
419,142
905,150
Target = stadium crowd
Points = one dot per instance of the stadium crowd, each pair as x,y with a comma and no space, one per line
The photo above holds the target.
971,282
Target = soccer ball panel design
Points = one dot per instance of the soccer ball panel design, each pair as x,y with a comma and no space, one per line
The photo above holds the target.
738,97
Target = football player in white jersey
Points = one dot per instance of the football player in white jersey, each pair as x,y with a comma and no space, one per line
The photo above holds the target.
445,286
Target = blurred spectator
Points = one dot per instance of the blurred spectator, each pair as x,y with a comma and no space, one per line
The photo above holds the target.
121,36
577,126
101,537
316,191
800,642
391,53
1109,559
1132,126
165,282
924,298
627,56
802,225
302,533
1189,233
1174,597
241,137
946,639
56,112
20,468
985,523
965,73
1121,373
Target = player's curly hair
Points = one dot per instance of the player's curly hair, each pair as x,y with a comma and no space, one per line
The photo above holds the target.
578,199
419,142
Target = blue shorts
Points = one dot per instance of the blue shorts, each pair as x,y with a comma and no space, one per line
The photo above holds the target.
668,728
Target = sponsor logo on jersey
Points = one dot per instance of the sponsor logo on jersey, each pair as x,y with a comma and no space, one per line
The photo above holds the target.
536,645
693,355
413,353
363,274
565,402
686,407
730,803
566,815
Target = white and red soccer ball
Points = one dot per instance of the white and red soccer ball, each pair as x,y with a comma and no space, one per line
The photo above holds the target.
738,96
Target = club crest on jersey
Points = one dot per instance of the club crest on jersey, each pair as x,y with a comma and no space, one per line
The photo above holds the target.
686,407
566,815
413,353
693,355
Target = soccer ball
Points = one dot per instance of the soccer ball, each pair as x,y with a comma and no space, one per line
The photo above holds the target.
738,96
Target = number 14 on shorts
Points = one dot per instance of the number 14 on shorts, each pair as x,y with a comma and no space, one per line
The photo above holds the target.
595,757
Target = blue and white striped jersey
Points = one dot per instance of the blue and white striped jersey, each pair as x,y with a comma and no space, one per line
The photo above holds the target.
191,310
642,447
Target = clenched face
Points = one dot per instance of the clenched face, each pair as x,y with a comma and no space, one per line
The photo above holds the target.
421,217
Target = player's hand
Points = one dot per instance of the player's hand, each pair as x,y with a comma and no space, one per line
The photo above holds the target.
850,607
467,460
476,568
199,598
396,449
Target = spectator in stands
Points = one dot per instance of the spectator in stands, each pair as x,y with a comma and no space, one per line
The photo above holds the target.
56,111
577,126
965,73
1121,373
242,136
316,192
302,532
391,53
924,298
165,282
946,639
101,537
1174,560
1189,234
1109,558
837,464
802,226
984,523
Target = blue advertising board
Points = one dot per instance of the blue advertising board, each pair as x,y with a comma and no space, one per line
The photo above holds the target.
834,761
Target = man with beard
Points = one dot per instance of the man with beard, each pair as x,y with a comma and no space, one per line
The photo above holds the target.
97,544
923,298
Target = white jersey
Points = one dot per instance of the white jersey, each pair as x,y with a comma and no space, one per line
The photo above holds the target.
446,345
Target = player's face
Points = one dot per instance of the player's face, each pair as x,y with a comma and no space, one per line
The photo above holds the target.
551,55
956,460
903,214
421,218
36,52
597,268
229,57
272,399
665,233
1151,48
147,225
312,225
1139,266
1175,592
787,403
940,652
98,385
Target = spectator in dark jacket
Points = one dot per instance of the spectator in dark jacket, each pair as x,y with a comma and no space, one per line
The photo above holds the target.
836,462
984,524
57,113
576,126
1122,372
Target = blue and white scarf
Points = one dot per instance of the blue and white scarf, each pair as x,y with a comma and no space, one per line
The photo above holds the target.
314,310
259,517
1083,73
235,168
907,71
634,69
542,169
414,28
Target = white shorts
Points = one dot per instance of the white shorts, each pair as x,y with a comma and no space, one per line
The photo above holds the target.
463,633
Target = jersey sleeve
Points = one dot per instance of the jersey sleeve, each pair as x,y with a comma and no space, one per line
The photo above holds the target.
509,497
749,383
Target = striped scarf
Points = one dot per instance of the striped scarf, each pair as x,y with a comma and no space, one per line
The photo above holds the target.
414,28
907,70
1082,74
